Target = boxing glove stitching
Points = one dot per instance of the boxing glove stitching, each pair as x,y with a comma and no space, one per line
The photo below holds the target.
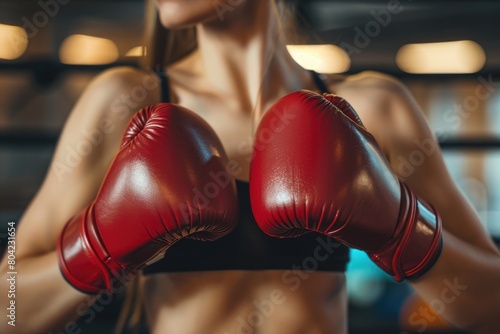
91,250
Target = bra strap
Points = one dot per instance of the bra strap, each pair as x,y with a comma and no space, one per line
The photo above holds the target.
320,83
164,86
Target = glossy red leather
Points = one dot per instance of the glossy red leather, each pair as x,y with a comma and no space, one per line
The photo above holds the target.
315,168
169,180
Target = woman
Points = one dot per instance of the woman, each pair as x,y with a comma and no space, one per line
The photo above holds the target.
237,69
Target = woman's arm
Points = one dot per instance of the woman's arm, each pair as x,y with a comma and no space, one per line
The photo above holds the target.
89,140
463,284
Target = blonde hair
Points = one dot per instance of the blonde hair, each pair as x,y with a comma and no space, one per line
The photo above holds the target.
165,46
162,48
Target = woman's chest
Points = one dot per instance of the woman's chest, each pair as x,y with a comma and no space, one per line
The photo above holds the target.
233,126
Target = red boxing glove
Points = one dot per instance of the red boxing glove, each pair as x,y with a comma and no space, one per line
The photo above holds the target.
149,199
320,170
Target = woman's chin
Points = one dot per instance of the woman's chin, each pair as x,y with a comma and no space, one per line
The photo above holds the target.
176,24
178,18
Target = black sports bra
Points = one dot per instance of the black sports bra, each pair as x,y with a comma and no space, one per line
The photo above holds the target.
247,247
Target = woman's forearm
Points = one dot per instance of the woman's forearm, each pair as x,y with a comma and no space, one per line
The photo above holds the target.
462,287
44,301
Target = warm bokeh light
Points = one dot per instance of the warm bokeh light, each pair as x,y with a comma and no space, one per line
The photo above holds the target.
137,51
87,50
326,58
445,57
13,41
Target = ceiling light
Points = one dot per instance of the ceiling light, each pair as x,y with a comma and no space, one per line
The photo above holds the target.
87,50
137,51
13,41
325,58
445,57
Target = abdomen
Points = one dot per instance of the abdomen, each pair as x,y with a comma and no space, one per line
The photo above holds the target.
247,302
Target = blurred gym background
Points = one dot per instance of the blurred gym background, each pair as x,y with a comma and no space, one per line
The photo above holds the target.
51,49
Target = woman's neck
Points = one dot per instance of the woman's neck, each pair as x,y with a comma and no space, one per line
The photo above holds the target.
243,55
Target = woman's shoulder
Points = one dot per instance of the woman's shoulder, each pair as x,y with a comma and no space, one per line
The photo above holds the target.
384,104
375,95
127,77
123,85
372,94
365,82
